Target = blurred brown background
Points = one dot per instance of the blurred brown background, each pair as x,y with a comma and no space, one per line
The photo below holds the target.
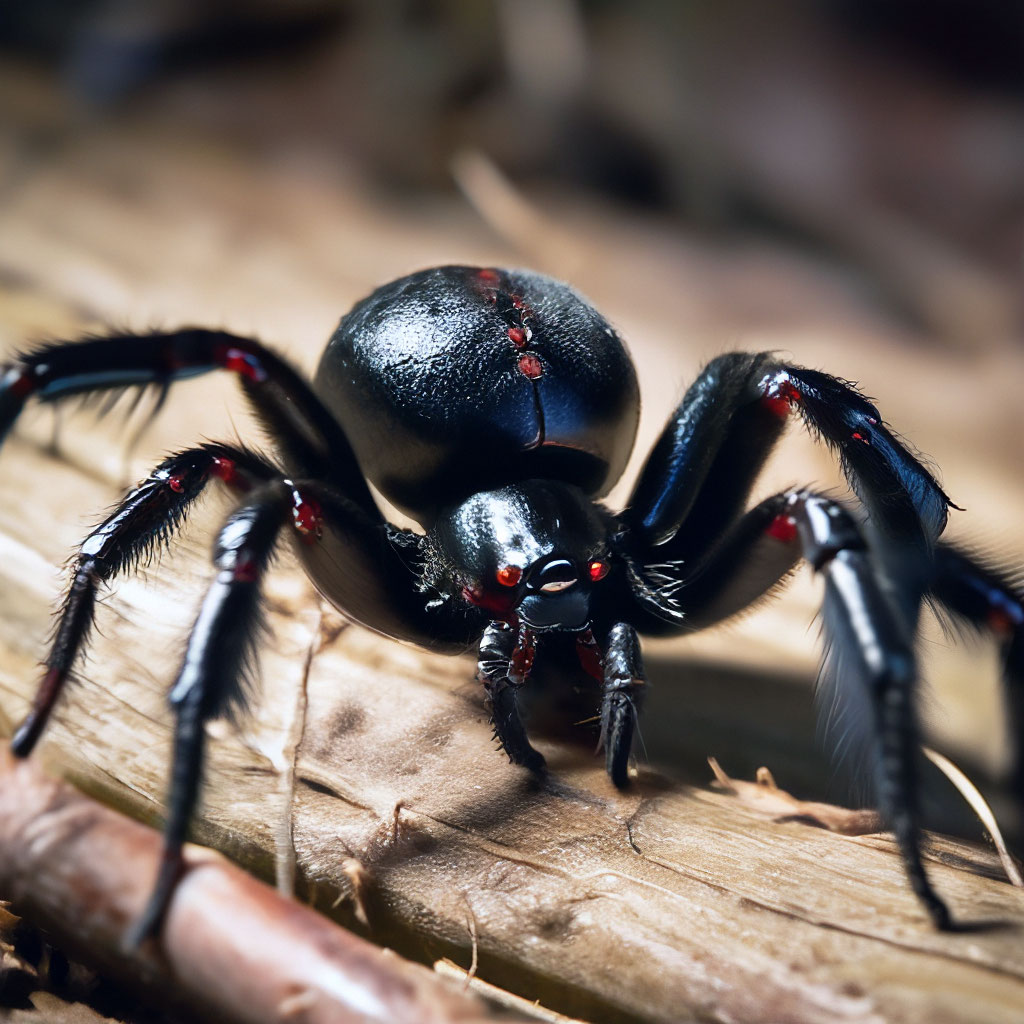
842,180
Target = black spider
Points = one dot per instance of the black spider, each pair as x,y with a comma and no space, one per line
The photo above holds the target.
494,407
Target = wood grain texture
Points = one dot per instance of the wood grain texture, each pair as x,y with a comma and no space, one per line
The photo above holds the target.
232,949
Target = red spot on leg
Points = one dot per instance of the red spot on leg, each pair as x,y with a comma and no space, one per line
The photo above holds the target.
245,364
530,365
308,518
783,528
589,655
226,470
176,482
858,436
779,397
999,622
246,570
19,382
522,657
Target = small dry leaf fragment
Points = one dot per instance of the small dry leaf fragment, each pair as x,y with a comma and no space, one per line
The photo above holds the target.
767,798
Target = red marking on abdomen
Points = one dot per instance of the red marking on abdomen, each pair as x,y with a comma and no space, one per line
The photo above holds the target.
782,528
488,275
530,365
517,335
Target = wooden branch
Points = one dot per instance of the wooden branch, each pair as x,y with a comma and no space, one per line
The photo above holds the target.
231,948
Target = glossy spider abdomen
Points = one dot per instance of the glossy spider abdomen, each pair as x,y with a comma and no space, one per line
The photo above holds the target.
456,380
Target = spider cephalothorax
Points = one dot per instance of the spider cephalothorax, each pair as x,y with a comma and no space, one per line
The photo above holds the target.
529,552
496,407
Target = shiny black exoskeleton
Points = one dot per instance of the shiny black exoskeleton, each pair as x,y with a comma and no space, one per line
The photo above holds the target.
495,407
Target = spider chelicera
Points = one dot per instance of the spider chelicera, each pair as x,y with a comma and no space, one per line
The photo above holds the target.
495,407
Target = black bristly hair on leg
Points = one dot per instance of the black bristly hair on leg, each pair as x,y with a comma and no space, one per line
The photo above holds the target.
211,682
143,522
973,591
622,696
868,683
309,439
496,670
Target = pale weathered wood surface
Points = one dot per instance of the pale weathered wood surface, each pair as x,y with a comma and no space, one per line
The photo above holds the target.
663,904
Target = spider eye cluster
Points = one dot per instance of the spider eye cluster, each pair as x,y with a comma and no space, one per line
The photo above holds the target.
553,576
509,575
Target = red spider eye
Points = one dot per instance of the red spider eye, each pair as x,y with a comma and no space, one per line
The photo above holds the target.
509,575
598,570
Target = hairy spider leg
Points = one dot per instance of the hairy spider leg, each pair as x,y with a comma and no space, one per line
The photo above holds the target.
980,594
622,694
868,683
694,559
218,658
706,459
742,567
967,590
359,548
330,530
505,659
870,674
309,439
371,571
699,474
143,522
